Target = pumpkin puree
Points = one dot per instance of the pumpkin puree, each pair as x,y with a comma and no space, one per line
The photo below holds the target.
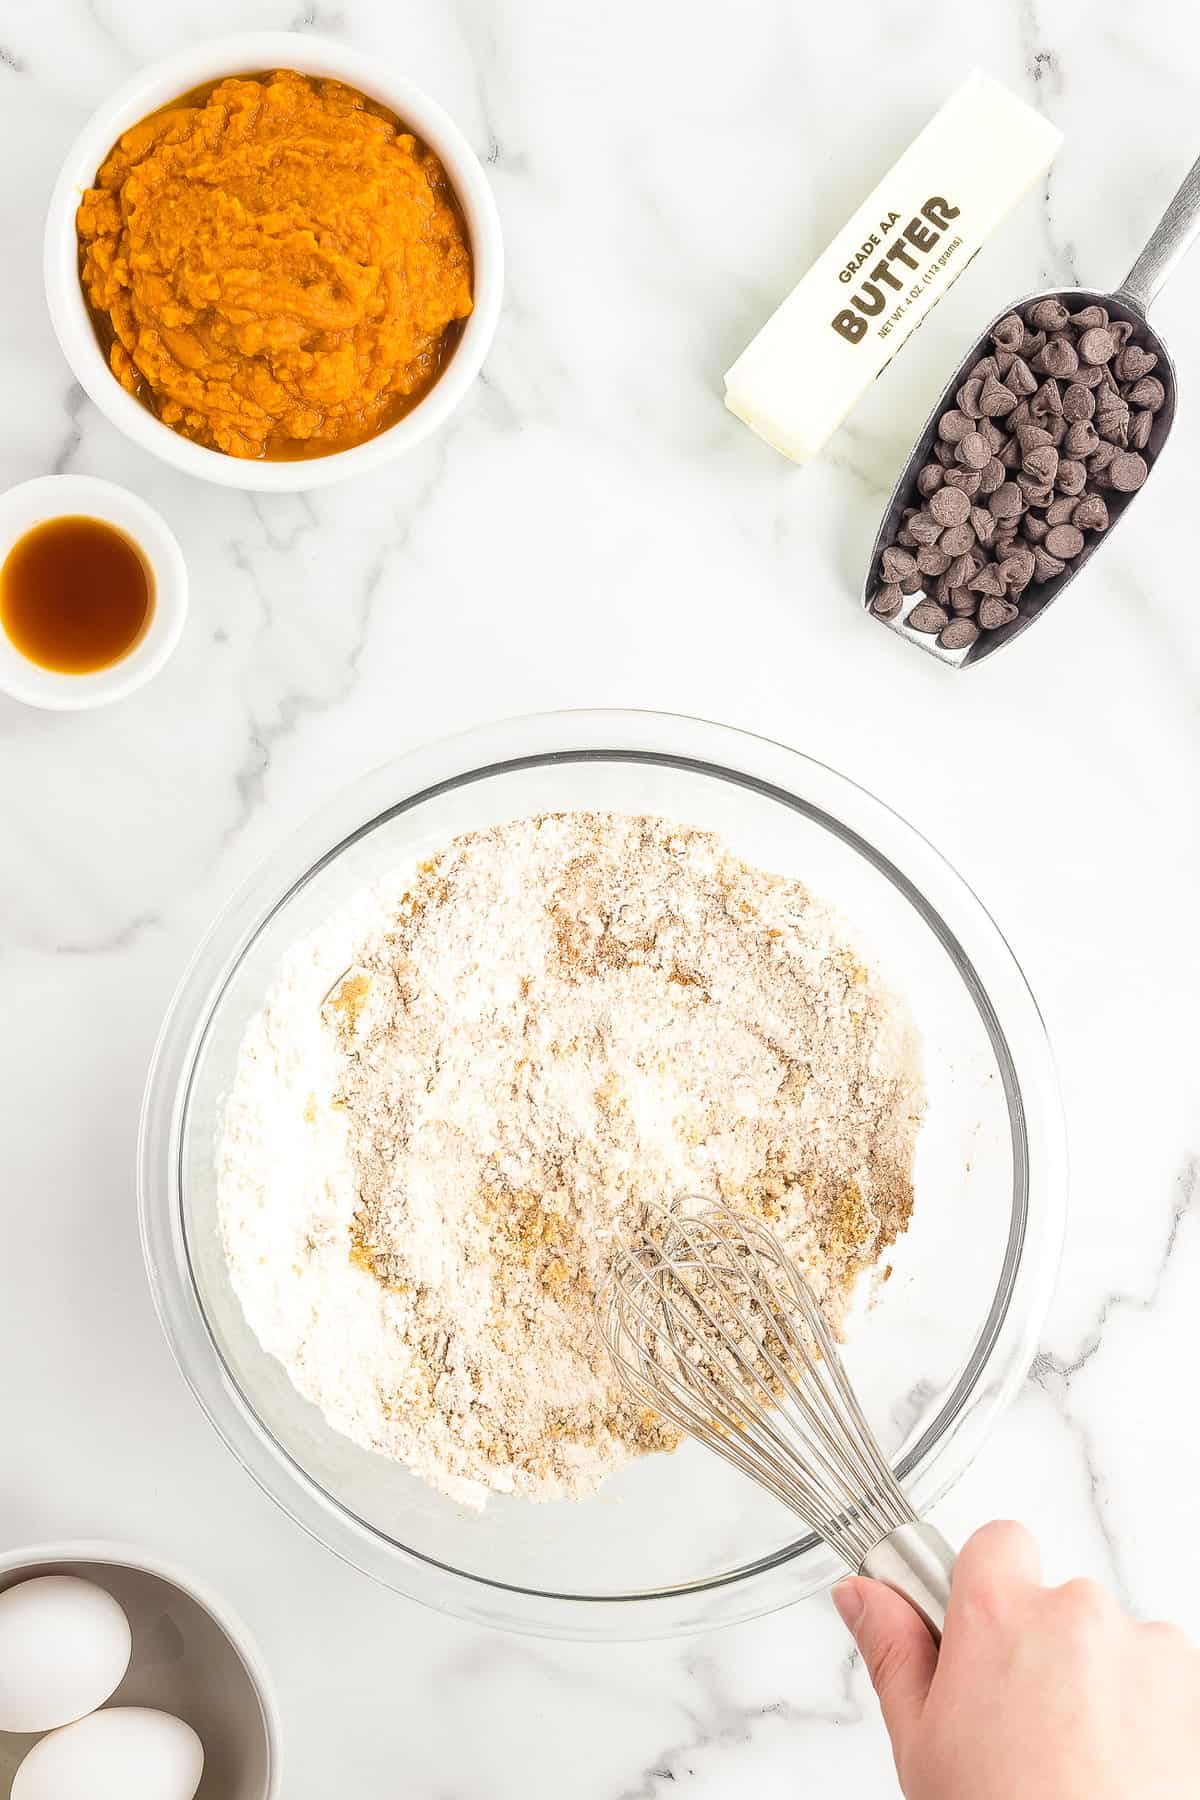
275,266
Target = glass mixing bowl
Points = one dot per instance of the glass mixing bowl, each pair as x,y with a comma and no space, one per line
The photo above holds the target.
671,1543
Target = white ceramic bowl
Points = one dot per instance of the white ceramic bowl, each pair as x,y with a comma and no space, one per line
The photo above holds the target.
191,1656
58,496
154,87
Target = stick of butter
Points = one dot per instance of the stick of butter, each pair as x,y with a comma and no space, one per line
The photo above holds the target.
906,244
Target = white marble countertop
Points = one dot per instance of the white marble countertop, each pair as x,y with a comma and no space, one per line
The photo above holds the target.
593,529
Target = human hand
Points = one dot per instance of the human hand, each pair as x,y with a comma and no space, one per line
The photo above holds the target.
1045,1693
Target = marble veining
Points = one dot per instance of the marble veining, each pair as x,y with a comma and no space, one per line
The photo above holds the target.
593,529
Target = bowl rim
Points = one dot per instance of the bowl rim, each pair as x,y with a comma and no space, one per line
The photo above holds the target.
949,1443
118,1555
246,52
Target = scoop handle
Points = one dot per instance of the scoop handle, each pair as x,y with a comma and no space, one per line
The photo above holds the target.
1170,242
917,1561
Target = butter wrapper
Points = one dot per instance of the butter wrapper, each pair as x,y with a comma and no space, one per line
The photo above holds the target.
906,244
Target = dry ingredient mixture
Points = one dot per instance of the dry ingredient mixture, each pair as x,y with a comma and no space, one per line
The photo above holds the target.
465,1088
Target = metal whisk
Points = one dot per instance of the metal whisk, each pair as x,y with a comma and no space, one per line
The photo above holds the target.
712,1326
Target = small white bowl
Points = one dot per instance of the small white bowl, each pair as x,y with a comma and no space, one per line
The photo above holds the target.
69,496
191,1657
153,87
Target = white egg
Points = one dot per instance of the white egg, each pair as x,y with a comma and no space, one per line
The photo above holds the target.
64,1648
126,1753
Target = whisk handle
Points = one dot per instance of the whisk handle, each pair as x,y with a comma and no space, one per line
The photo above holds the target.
917,1561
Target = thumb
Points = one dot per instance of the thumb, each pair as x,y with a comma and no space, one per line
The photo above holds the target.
895,1646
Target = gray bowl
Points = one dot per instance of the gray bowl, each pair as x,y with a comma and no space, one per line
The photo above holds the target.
191,1657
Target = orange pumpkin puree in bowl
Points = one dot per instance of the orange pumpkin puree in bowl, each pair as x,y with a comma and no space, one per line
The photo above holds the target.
274,265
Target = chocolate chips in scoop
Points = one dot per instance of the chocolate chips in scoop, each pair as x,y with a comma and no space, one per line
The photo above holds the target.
1057,413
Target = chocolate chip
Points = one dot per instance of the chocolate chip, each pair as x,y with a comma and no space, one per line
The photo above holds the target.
995,399
1091,375
1082,438
1033,437
1045,566
982,524
930,479
1049,315
905,538
1006,502
1078,402
912,584
1112,415
953,426
1065,541
1041,462
967,397
961,570
1010,456
888,601
1047,401
944,453
924,529
1097,345
1091,514
1133,362
928,617
1148,392
1090,318
1127,471
933,560
966,480
1021,378
974,450
950,506
1100,458
1140,426
1008,331
957,540
1059,358
897,564
962,601
994,613
987,580
1071,477
991,476
1059,511
960,634
1017,568
1034,527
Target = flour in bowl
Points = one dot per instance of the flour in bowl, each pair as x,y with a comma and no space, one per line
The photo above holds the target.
466,1087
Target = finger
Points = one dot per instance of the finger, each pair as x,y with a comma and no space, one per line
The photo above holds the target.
1003,1549
895,1646
995,1569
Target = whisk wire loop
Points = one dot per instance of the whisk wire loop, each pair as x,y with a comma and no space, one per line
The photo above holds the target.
712,1327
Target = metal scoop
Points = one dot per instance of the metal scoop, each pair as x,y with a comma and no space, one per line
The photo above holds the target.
1169,243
